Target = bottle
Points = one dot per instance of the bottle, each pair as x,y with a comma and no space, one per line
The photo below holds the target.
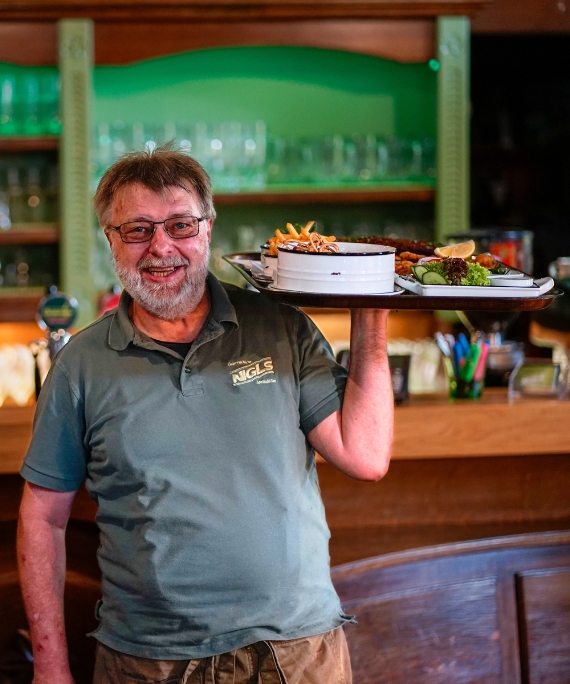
35,196
5,222
8,124
16,200
51,196
31,106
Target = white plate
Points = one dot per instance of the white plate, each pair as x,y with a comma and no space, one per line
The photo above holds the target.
396,291
538,288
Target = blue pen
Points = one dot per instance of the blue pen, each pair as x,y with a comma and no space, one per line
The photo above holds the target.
458,357
462,340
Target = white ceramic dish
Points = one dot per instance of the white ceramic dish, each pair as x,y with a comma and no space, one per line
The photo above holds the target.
514,279
356,269
539,287
396,291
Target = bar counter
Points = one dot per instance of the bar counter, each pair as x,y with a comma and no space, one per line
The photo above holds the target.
460,471
426,427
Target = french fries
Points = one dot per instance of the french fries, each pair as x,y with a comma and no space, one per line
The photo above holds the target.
302,235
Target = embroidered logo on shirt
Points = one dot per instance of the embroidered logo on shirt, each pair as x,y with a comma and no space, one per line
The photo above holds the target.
253,372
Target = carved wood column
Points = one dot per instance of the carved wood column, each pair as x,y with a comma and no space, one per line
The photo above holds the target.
452,197
75,39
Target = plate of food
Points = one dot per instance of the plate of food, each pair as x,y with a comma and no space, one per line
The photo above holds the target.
455,270
308,276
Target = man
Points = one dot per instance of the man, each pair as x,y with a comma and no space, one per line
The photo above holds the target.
193,411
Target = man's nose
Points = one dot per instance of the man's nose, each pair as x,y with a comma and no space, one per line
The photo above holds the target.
161,242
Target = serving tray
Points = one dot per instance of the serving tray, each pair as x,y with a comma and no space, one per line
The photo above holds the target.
537,288
248,264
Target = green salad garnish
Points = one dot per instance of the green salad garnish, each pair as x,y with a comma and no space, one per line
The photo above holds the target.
476,274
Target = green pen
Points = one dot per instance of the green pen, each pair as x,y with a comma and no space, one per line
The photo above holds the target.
470,365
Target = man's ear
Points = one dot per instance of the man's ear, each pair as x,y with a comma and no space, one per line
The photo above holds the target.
210,226
108,236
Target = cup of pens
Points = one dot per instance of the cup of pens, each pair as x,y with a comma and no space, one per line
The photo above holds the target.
464,364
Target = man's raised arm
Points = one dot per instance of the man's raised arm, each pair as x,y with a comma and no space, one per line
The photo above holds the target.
41,560
358,438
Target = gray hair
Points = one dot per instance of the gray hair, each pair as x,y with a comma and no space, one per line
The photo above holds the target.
157,169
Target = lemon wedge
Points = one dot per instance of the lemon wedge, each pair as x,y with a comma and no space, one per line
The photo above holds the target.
462,250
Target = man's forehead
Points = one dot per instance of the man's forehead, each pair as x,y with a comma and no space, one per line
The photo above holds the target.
138,196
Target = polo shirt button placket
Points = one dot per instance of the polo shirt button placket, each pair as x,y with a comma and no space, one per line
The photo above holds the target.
190,383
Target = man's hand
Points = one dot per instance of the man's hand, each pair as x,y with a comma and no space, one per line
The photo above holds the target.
358,438
41,560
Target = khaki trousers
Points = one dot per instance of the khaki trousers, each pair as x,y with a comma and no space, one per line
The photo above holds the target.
321,659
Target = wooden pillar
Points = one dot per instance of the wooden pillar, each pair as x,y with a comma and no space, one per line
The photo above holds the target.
75,38
453,97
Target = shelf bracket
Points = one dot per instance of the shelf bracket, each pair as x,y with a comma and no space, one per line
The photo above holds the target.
75,48
452,196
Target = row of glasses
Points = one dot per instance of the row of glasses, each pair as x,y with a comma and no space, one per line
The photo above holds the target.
30,104
28,193
349,159
232,152
242,156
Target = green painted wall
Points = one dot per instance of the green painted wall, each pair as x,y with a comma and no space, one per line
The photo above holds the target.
297,91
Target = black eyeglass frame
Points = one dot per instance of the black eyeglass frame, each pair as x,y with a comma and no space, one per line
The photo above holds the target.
158,223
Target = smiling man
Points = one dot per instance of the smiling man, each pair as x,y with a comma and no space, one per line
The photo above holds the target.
193,412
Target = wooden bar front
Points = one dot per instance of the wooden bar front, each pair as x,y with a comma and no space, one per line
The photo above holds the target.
459,471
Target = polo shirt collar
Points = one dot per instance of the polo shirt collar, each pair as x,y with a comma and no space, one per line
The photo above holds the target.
122,331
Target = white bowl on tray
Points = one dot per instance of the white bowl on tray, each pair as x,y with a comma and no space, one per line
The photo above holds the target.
356,269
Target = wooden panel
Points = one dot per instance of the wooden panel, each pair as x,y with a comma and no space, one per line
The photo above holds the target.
321,196
403,41
523,16
11,487
48,233
19,306
16,429
446,613
448,634
28,43
350,544
230,10
545,626
427,427
28,143
441,492
490,426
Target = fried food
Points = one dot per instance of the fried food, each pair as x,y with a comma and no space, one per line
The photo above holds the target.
304,240
410,256
403,267
316,243
401,244
486,260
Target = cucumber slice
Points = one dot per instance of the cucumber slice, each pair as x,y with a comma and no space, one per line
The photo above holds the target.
433,278
419,271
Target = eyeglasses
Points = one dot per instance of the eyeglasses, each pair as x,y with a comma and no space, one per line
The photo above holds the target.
177,228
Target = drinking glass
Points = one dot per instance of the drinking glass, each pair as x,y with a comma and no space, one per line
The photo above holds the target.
8,125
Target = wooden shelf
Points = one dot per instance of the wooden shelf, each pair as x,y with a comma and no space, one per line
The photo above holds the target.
229,10
341,194
29,143
36,234
19,305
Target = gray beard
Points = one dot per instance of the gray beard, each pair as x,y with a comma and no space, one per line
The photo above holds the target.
162,300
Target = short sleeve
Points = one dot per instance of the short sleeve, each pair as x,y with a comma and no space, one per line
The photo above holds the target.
322,380
56,458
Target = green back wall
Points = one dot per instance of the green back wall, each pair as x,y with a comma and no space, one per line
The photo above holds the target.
297,91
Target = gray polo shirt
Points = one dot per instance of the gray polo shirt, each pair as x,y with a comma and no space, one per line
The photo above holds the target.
213,533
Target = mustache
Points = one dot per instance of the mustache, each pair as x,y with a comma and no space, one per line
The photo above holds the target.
166,262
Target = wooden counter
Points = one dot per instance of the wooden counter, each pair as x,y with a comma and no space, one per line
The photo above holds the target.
426,427
460,471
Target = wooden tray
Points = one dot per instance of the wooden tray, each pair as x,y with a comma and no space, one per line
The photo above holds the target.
406,300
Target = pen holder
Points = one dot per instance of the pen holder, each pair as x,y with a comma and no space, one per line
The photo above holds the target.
464,364
463,389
